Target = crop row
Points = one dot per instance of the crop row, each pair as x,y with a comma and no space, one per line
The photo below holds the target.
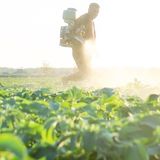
78,125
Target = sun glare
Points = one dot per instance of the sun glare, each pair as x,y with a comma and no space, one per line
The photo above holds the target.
127,33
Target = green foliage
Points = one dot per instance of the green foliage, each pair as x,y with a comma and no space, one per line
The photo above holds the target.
78,124
13,145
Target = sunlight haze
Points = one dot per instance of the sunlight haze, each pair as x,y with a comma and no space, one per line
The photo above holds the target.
128,33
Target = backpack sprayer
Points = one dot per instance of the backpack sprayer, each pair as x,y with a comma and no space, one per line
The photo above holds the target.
66,34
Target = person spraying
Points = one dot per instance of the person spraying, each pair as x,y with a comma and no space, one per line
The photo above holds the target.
79,34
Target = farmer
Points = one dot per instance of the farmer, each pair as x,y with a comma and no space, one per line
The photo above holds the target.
85,33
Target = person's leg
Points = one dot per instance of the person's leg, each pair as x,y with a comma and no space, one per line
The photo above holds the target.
81,59
77,53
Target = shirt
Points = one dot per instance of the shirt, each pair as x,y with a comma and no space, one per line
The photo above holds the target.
87,25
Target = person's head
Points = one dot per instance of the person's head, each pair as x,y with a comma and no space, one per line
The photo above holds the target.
93,10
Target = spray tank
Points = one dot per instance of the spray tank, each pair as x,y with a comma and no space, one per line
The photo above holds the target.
66,36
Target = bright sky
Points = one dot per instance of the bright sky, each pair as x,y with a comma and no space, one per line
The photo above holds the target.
128,33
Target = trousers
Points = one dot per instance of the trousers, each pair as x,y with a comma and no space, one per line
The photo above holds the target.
81,58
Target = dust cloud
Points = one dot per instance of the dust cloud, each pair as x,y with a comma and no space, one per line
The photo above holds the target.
130,81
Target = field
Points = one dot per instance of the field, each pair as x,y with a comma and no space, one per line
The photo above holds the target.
41,118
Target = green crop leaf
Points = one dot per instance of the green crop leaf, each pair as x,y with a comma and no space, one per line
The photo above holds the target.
11,143
154,149
105,91
151,121
47,151
89,141
54,105
136,151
